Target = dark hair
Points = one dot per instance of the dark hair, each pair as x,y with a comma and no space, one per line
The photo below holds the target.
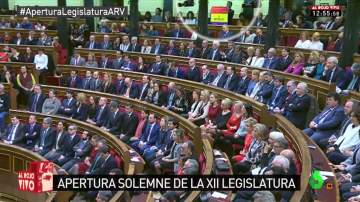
242,168
280,79
335,96
249,109
174,121
356,112
190,13
277,170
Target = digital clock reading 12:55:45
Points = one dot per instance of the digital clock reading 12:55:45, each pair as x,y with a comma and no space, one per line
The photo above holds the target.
325,11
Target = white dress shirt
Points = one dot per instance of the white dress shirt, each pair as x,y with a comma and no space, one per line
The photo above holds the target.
41,61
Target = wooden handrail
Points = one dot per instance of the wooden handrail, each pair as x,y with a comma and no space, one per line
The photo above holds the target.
24,32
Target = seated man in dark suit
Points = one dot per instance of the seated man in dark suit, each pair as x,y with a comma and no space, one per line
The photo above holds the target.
328,121
118,61
114,121
220,78
74,81
259,38
334,74
205,50
92,44
157,48
119,83
102,113
148,137
158,67
143,89
229,53
278,95
206,76
14,133
232,79
243,81
135,46
77,60
95,165
172,50
128,123
96,83
81,149
271,61
60,142
130,89
47,137
284,61
106,44
86,82
193,72
108,163
175,71
265,91
105,62
192,52
37,99
214,53
68,150
225,33
177,32
68,105
127,64
32,132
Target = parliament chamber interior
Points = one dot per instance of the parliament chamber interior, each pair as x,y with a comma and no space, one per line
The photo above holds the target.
183,88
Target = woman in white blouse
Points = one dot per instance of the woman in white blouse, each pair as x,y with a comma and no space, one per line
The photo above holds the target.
315,43
343,146
251,52
146,47
202,109
190,18
303,41
258,59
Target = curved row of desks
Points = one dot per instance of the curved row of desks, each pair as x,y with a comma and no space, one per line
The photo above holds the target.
275,121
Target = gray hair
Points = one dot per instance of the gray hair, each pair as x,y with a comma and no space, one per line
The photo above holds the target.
355,67
304,85
283,142
264,196
333,59
276,135
48,120
281,161
193,167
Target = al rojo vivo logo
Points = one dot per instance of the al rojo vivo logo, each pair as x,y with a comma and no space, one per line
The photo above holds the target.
39,178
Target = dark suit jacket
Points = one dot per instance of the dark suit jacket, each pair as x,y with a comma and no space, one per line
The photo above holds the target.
259,40
136,49
178,73
338,77
208,78
86,83
229,53
177,33
151,136
117,64
221,81
39,104
204,53
84,150
134,91
265,92
96,85
95,168
217,55
128,66
19,134
233,82
172,51
225,34
50,138
22,41
129,124
108,88
192,54
158,69
66,104
105,63
68,151
119,85
193,74
270,64
161,50
278,98
33,41
243,85
113,123
80,112
62,141
107,165
331,121
161,98
101,119
283,63
296,110
143,90
33,134
76,84
108,46
96,45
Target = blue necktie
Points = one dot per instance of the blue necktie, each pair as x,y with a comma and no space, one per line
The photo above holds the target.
11,133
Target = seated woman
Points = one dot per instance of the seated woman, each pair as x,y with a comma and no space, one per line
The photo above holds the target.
170,161
343,146
146,47
313,63
142,67
81,110
157,96
224,138
108,86
303,41
249,126
214,108
211,128
180,103
202,110
91,62
92,107
251,53
240,134
315,43
52,104
182,50
297,65
258,144
258,59
194,105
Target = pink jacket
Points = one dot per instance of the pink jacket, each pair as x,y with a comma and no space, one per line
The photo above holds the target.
297,69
